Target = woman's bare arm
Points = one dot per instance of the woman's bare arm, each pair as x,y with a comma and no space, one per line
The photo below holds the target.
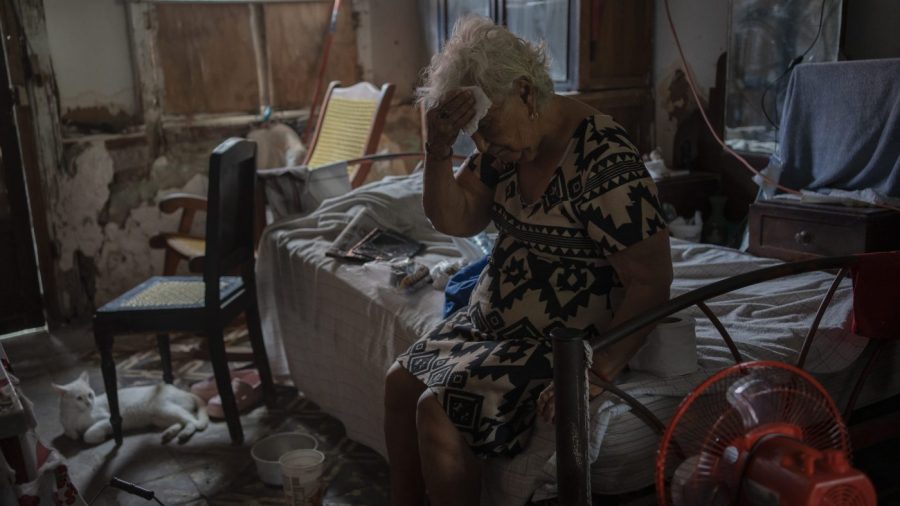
459,205
645,270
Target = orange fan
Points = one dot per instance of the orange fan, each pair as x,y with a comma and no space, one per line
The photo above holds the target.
759,433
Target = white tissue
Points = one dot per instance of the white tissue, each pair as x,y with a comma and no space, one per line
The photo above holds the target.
482,104
670,349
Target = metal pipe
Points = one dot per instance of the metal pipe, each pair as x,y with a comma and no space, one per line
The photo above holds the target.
722,332
807,343
572,420
875,347
638,409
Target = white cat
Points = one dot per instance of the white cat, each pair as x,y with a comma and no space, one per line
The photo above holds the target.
165,406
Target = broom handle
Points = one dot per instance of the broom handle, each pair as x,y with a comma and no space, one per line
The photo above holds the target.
320,77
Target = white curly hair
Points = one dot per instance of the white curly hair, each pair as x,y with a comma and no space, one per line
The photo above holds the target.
480,53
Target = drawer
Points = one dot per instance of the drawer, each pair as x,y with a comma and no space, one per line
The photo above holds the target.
795,231
809,238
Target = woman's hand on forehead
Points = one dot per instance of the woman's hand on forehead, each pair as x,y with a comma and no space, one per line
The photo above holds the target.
447,117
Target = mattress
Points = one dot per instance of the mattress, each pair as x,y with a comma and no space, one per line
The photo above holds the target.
335,328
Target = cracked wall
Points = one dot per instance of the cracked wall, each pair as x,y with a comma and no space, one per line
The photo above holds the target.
104,169
702,28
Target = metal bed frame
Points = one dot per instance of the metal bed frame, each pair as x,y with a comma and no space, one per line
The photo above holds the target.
569,371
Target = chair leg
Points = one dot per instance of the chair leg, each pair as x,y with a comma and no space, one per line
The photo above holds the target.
104,340
223,382
165,356
260,358
170,263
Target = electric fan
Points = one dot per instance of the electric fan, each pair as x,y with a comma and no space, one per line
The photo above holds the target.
758,433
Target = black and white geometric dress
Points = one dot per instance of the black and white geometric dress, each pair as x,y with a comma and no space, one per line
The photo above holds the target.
489,362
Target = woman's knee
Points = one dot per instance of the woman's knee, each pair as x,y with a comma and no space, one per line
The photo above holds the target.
401,389
432,422
444,447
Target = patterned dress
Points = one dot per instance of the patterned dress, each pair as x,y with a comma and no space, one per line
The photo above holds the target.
489,362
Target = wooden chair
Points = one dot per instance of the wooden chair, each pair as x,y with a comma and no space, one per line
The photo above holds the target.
200,304
350,124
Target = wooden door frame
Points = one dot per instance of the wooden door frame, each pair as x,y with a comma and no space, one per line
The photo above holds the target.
19,144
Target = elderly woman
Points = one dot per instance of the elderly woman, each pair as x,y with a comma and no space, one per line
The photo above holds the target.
581,244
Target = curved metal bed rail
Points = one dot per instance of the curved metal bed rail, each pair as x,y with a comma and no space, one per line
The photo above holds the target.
572,438
719,288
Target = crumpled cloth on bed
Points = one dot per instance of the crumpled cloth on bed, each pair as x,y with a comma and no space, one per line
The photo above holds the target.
300,190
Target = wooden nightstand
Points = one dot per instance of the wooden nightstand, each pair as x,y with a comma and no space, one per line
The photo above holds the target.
688,192
794,231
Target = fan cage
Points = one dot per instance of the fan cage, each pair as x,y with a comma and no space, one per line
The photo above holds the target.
706,423
844,495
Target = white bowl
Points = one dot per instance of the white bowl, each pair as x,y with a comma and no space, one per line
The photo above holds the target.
268,450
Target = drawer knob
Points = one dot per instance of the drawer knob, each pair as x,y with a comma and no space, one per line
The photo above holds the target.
803,237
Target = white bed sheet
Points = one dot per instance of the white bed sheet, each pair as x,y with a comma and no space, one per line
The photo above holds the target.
336,327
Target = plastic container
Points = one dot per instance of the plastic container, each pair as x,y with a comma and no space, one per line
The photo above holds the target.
302,470
268,450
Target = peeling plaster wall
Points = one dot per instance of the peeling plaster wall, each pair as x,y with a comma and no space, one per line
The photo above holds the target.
104,215
89,46
102,190
391,44
702,29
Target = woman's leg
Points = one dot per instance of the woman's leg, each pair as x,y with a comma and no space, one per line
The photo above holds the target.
452,472
401,395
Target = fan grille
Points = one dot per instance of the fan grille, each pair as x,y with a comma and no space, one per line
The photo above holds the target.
844,495
707,422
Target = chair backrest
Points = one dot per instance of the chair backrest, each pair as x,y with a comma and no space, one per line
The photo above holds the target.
229,219
350,125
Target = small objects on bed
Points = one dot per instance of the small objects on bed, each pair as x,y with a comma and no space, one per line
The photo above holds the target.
364,240
361,224
442,272
382,244
409,276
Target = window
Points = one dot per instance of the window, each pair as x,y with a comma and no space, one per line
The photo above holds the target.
551,21
763,39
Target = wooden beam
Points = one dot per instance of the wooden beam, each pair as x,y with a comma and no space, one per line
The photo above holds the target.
37,119
229,1
261,51
142,25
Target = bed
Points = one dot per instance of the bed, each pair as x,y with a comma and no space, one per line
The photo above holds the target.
336,327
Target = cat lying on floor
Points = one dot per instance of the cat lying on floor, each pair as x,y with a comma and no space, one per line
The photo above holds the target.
84,414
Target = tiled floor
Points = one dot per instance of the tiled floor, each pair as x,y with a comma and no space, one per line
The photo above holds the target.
205,470
208,469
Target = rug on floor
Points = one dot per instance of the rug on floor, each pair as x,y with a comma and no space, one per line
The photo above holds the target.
355,474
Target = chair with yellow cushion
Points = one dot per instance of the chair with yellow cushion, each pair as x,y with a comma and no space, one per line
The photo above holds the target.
349,125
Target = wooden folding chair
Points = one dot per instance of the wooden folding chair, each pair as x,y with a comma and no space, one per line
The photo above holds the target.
351,121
